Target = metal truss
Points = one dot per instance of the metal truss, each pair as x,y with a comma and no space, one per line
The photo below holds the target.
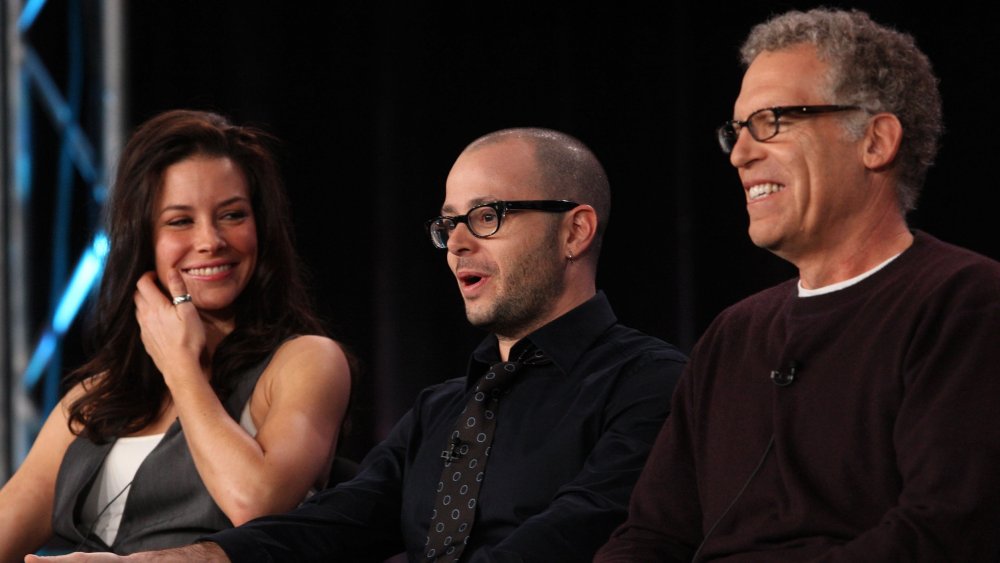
54,178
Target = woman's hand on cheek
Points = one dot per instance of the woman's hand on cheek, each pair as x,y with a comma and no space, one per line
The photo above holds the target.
173,335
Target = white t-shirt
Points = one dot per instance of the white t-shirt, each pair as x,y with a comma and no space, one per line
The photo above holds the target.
803,292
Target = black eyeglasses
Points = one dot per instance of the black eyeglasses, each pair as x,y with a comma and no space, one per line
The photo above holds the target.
484,220
764,124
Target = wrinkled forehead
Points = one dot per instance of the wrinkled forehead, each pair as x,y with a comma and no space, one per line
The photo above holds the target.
790,76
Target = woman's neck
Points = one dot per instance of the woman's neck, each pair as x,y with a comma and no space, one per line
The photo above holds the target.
215,330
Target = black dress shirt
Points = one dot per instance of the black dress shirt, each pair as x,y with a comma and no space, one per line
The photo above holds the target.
571,439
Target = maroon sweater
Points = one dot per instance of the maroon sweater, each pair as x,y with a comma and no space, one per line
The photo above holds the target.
886,443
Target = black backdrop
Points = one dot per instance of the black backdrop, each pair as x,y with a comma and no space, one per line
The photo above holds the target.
373,102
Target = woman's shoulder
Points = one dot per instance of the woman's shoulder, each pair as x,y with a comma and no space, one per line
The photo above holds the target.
304,370
308,358
309,347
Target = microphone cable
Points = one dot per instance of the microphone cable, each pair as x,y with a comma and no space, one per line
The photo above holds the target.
756,470
97,518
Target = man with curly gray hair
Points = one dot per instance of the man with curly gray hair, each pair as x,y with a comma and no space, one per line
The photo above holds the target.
871,67
851,414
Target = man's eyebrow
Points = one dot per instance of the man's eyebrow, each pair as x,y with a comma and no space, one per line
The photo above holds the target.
450,210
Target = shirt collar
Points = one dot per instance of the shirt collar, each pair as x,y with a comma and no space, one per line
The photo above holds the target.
563,340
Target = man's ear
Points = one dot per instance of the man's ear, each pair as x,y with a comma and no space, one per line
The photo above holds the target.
580,228
881,141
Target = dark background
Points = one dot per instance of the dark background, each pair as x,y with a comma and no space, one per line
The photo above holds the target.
374,101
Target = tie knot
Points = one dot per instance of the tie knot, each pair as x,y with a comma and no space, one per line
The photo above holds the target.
501,374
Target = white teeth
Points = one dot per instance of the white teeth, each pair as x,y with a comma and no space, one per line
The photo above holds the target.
209,271
761,190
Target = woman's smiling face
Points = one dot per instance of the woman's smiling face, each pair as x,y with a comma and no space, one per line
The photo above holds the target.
204,228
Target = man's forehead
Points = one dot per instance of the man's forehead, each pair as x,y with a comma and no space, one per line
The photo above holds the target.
789,76
501,151
497,171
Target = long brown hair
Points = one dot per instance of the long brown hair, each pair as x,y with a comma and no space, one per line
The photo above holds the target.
123,390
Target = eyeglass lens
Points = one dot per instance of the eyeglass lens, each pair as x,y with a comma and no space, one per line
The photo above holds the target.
762,125
483,221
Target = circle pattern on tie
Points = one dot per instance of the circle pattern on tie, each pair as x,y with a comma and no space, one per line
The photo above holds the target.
459,486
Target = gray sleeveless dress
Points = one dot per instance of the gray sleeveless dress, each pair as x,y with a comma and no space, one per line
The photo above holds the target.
167,506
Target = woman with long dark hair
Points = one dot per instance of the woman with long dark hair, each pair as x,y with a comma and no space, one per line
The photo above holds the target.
214,396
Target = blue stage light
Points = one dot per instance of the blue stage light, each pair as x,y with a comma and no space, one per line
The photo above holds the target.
29,14
88,272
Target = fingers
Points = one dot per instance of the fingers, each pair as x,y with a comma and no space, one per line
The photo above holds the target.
151,304
148,293
175,285
168,331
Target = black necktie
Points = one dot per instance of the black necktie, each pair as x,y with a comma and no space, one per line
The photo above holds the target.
465,459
